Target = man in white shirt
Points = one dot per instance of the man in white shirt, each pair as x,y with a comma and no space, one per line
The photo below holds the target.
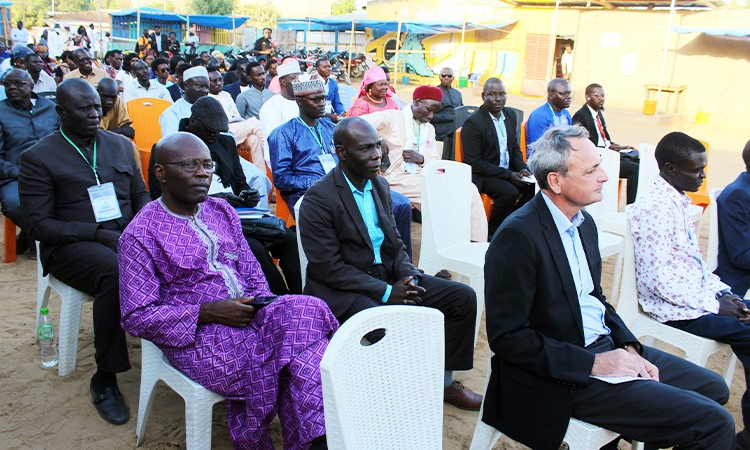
280,109
248,133
42,81
143,87
20,35
195,81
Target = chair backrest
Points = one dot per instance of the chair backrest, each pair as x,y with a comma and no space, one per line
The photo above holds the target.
648,170
282,211
386,394
347,94
522,139
49,95
519,121
145,112
462,113
610,191
627,301
300,249
712,256
446,204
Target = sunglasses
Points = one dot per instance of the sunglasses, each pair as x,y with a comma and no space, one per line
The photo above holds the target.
446,75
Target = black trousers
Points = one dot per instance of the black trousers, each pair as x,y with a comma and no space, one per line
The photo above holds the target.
629,171
448,151
288,255
457,302
507,198
91,268
683,410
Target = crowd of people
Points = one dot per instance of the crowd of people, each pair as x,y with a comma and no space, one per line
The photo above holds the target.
175,264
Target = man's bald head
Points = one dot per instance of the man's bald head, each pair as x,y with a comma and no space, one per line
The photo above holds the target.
107,89
557,82
17,74
183,166
71,88
746,156
79,108
173,146
491,83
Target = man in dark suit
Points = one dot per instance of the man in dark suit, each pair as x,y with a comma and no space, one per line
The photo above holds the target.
177,89
552,331
159,42
235,88
734,230
357,259
491,148
444,120
591,118
79,189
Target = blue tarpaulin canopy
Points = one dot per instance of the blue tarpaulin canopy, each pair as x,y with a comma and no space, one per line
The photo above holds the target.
204,20
151,13
345,22
223,22
732,33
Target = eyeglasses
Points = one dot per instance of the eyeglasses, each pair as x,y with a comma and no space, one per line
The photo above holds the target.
446,75
15,83
191,165
318,99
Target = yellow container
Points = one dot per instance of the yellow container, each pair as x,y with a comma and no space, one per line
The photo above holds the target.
701,118
649,107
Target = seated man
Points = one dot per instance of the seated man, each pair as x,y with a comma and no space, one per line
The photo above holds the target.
241,185
554,113
410,143
248,133
491,148
195,81
143,86
357,259
590,117
86,70
79,188
195,301
558,343
302,152
674,284
734,230
251,101
280,109
115,117
334,108
25,118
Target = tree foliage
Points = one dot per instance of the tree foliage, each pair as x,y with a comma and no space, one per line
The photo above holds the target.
35,12
217,7
342,7
261,14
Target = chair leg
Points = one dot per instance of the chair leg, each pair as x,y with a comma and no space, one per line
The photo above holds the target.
9,232
70,325
148,384
198,422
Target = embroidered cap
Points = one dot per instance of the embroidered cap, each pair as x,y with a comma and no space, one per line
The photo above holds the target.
303,87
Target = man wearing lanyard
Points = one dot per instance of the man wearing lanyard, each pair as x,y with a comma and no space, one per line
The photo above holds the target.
79,188
554,113
492,150
675,286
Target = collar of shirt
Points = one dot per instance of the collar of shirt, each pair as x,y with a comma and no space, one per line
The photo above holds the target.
368,185
562,223
679,198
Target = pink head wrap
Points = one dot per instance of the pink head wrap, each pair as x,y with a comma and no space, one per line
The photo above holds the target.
371,76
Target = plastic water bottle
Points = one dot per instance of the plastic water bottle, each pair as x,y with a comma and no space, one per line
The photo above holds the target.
46,333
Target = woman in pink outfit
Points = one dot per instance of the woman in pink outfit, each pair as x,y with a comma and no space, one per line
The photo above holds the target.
374,95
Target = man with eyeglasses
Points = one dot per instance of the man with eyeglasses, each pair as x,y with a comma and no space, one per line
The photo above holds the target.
554,113
444,118
86,69
142,87
24,120
79,188
160,68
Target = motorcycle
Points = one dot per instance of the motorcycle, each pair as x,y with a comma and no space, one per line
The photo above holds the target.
357,63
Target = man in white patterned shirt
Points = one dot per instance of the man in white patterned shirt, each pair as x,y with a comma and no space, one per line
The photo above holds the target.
674,284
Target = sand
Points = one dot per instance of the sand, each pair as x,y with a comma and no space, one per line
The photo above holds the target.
38,409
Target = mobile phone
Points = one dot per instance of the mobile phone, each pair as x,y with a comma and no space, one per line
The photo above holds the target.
261,301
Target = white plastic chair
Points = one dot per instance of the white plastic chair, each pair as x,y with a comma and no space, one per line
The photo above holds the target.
579,436
446,212
712,255
300,249
605,212
199,401
71,304
697,349
386,395
648,170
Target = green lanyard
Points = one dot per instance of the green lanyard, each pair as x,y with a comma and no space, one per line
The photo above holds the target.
317,133
93,166
418,132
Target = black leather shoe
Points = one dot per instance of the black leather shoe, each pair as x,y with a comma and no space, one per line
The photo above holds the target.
109,404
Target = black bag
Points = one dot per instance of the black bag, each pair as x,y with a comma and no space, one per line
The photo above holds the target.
268,229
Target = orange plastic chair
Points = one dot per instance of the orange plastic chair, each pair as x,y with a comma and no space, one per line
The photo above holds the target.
523,141
9,232
145,112
701,197
459,155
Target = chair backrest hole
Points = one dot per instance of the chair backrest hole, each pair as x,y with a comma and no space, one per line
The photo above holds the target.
372,337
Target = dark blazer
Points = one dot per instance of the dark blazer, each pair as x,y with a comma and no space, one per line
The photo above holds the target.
53,184
534,326
233,89
443,120
164,42
583,117
734,234
174,91
482,149
338,248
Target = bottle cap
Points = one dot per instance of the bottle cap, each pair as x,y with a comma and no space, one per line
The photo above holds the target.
44,311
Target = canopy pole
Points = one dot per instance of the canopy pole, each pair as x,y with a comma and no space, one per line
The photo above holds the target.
463,46
664,55
351,49
398,45
306,35
553,41
137,23
234,31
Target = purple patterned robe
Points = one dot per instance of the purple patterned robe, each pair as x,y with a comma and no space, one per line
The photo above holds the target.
169,266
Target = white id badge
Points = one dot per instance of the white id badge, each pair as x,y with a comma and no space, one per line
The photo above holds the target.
409,167
329,107
327,161
104,202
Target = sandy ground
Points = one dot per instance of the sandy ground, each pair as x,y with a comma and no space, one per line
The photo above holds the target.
40,410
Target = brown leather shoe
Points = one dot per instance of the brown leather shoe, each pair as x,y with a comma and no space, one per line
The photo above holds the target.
461,397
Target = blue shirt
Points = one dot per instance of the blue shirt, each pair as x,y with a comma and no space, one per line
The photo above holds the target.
295,149
332,94
542,119
366,206
592,310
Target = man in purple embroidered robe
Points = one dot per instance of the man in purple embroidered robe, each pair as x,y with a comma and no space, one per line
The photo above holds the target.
187,277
